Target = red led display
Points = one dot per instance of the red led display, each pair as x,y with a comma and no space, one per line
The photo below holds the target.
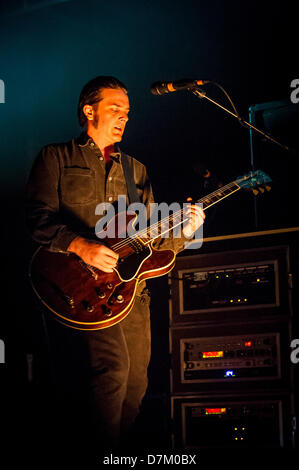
207,354
215,411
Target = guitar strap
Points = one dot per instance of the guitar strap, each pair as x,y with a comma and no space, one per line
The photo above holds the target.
131,186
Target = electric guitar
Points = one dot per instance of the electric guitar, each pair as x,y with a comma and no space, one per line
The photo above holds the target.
83,297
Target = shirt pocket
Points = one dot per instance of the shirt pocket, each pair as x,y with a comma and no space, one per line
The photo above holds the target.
78,186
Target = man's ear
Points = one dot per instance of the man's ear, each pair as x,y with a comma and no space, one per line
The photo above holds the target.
88,111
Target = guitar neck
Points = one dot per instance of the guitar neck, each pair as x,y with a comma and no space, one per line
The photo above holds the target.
219,194
179,217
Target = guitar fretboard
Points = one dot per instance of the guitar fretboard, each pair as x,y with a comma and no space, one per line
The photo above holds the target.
218,195
178,218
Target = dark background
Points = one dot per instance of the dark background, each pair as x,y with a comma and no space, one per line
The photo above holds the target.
50,49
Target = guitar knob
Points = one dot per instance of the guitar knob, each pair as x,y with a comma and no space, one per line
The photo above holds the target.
69,300
109,285
120,299
100,293
87,306
107,311
116,298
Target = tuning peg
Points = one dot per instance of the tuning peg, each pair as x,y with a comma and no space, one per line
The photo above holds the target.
261,189
255,192
267,187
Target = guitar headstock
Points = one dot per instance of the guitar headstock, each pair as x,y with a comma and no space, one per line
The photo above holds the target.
256,181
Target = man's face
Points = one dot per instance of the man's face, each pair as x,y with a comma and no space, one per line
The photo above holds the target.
111,116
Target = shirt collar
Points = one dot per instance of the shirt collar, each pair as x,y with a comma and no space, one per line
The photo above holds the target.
84,140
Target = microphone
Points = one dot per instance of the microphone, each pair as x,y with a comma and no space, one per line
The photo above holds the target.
161,88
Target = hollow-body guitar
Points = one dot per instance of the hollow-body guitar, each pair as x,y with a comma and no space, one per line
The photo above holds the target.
83,297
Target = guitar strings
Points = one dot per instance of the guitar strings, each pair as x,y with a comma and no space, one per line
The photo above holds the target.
126,241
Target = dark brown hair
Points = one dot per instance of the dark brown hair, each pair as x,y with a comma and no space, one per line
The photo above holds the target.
91,93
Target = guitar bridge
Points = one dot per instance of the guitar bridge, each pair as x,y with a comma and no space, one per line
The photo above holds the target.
90,269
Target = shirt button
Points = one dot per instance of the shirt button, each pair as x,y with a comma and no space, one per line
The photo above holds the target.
110,198
110,178
101,158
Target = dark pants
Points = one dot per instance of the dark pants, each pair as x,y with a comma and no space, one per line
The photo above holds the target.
101,378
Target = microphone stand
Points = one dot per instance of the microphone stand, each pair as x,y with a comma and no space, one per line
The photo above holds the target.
202,94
